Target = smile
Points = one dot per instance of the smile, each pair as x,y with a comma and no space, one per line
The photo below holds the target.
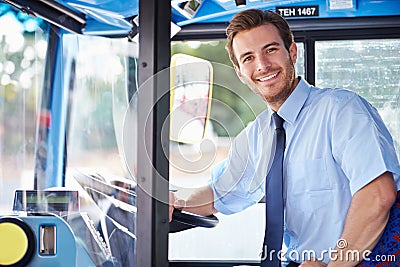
269,77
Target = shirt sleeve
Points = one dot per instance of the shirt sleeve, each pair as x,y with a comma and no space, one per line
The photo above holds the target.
361,143
239,181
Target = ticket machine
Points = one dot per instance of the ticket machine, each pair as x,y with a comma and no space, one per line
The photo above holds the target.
91,226
47,228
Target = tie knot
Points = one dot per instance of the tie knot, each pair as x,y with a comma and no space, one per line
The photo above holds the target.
277,120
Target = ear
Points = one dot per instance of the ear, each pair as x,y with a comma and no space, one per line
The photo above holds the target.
293,52
238,73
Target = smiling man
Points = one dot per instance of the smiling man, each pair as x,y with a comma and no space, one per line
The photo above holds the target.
337,174
264,64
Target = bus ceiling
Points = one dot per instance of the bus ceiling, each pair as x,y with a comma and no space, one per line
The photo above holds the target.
119,17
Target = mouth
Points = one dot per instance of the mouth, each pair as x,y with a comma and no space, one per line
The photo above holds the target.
267,78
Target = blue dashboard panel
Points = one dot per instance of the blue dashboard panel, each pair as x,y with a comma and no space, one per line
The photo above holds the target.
114,17
106,8
111,16
106,17
209,13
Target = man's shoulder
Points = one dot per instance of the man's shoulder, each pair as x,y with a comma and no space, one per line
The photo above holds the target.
338,100
335,96
338,94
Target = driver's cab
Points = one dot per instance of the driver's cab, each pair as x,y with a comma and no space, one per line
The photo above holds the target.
76,201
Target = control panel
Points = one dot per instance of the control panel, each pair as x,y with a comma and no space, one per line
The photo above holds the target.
47,229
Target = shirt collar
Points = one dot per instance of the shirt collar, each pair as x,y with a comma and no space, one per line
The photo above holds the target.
291,108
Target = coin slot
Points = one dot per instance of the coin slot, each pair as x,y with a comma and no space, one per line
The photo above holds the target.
48,239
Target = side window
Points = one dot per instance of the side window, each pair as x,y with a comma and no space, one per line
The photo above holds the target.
97,155
23,46
98,106
300,67
369,67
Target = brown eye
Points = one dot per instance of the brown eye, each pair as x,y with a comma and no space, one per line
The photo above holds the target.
247,59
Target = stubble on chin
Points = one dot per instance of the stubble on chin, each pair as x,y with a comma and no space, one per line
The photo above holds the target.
285,91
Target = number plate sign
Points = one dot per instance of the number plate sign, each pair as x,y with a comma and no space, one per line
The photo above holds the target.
298,11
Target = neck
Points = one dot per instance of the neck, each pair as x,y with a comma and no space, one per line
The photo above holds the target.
275,105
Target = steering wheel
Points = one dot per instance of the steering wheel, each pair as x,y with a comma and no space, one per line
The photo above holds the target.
182,220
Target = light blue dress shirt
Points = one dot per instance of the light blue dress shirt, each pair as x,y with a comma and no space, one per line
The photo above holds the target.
336,143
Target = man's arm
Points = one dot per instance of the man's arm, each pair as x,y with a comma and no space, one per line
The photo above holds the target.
366,219
365,222
200,202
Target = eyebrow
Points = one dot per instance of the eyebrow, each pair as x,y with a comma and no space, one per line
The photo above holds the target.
264,47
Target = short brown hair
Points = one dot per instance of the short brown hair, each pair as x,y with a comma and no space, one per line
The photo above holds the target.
251,18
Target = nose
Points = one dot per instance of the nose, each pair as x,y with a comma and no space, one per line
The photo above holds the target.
263,63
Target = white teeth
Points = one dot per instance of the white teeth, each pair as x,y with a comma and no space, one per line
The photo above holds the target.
268,77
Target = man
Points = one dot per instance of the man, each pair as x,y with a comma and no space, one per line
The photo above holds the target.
340,169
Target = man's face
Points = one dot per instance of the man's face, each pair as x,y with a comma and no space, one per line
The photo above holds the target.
264,64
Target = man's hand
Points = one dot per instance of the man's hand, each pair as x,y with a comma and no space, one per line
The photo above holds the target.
200,202
172,198
175,203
